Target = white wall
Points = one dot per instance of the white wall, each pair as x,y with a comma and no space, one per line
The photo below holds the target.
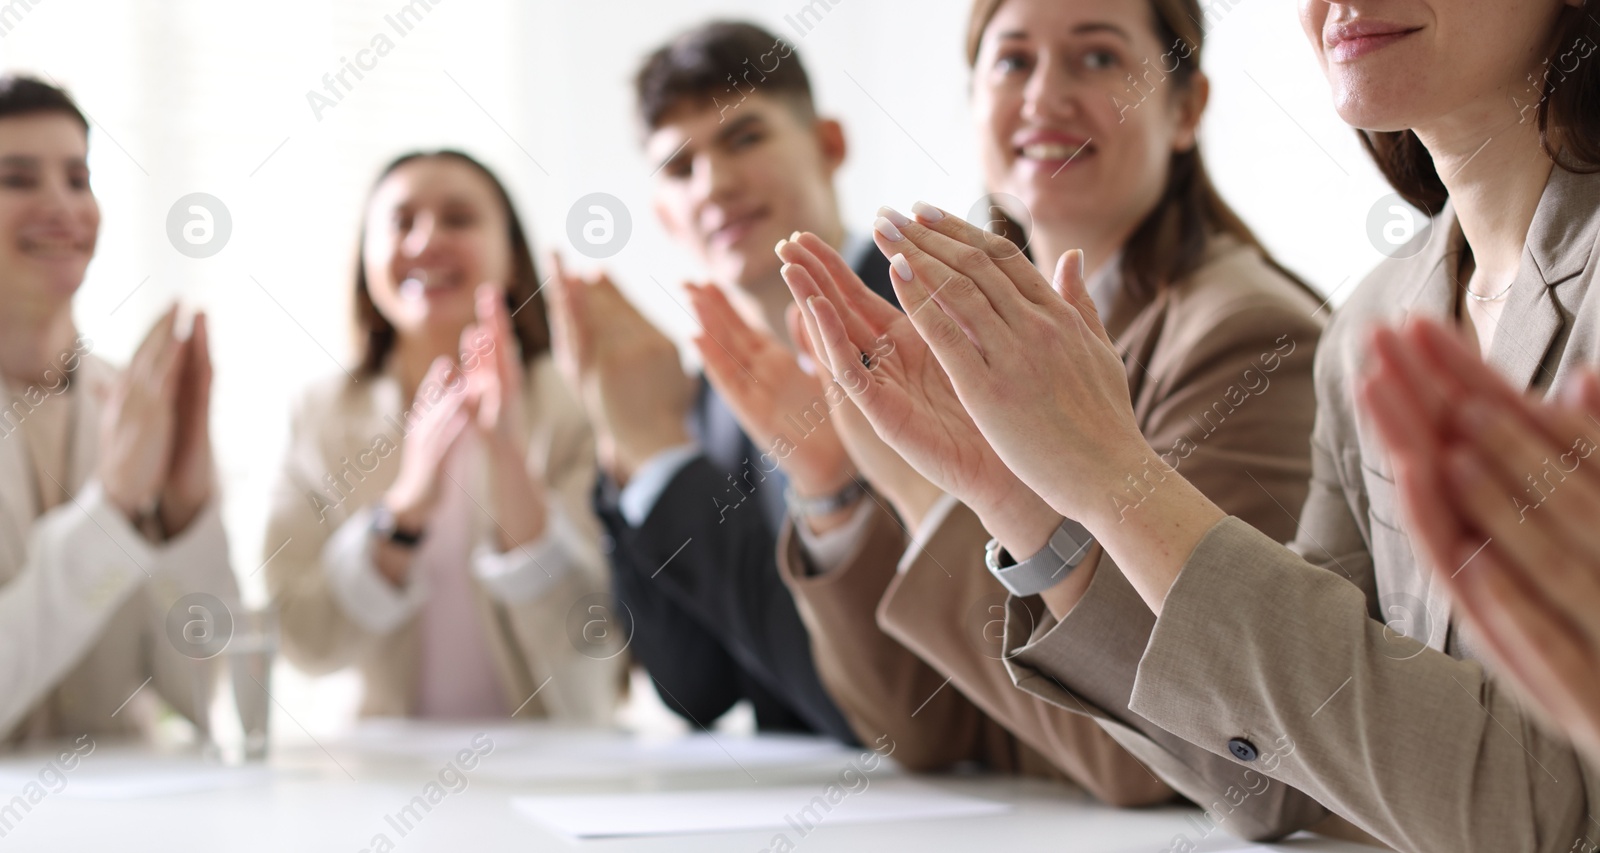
199,95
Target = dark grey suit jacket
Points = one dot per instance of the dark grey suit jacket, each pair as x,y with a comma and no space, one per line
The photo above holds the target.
712,621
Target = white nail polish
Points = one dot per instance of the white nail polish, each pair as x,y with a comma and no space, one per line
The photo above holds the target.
887,229
899,219
927,212
902,267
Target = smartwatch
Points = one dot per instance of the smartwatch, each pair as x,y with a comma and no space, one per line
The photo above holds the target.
1065,550
385,527
803,507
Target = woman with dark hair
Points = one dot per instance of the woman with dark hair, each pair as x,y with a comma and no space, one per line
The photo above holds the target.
1332,671
107,491
433,512
1194,303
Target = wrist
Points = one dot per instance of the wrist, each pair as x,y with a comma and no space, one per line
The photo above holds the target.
406,512
1022,521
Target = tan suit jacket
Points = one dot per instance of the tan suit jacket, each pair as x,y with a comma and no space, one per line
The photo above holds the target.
544,644
1336,658
1198,355
86,647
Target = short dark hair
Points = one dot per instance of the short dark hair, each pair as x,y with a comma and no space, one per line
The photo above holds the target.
1566,100
21,94
376,338
720,63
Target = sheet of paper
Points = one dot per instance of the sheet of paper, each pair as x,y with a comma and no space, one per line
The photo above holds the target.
123,777
594,756
798,810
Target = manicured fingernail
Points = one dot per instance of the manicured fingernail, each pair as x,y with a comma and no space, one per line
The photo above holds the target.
778,248
895,216
901,266
795,236
887,229
927,212
1080,265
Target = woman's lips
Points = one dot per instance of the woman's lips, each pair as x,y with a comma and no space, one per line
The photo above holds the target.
1349,42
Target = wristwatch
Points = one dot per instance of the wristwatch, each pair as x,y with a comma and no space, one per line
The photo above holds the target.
385,527
1065,550
803,507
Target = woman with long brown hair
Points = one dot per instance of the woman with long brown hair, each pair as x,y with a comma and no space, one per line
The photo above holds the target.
905,635
433,511
1333,669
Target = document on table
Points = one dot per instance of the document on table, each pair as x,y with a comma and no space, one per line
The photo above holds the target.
594,756
797,810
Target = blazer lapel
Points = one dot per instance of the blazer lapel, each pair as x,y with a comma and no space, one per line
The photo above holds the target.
1557,250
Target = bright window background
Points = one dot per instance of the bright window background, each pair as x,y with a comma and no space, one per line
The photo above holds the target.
204,96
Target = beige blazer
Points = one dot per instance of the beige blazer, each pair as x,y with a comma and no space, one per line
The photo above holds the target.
86,647
1336,659
1219,366
546,644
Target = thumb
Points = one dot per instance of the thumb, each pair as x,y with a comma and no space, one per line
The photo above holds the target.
1071,284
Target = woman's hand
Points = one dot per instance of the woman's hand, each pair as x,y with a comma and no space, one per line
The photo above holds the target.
778,405
443,412
137,422
191,480
905,394
492,363
1523,562
1035,369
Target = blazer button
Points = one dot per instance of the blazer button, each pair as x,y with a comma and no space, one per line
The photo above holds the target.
1242,749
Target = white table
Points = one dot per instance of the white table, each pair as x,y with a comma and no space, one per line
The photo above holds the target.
335,796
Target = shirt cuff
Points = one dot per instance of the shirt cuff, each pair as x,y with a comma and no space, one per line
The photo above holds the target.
526,571
639,497
826,552
103,581
196,560
361,590
925,532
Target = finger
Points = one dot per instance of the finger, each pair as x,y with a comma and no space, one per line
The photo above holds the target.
1537,556
1431,518
1411,368
796,319
803,286
200,360
1071,285
1535,473
722,371
569,327
837,280
843,355
1386,400
1006,256
1534,645
952,285
142,367
722,324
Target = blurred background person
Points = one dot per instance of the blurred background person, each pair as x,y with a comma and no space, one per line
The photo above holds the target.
433,509
108,499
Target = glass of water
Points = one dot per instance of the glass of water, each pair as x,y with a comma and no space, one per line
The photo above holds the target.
250,654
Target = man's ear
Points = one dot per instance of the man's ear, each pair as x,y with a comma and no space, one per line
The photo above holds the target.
830,139
1191,106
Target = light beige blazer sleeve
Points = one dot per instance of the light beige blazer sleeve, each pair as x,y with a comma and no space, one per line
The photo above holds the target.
1336,661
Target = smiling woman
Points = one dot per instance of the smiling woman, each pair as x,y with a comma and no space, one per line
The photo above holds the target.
447,575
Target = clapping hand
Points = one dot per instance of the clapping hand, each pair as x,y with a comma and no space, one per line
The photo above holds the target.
1523,564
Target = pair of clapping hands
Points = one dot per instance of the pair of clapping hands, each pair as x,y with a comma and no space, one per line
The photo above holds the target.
155,435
